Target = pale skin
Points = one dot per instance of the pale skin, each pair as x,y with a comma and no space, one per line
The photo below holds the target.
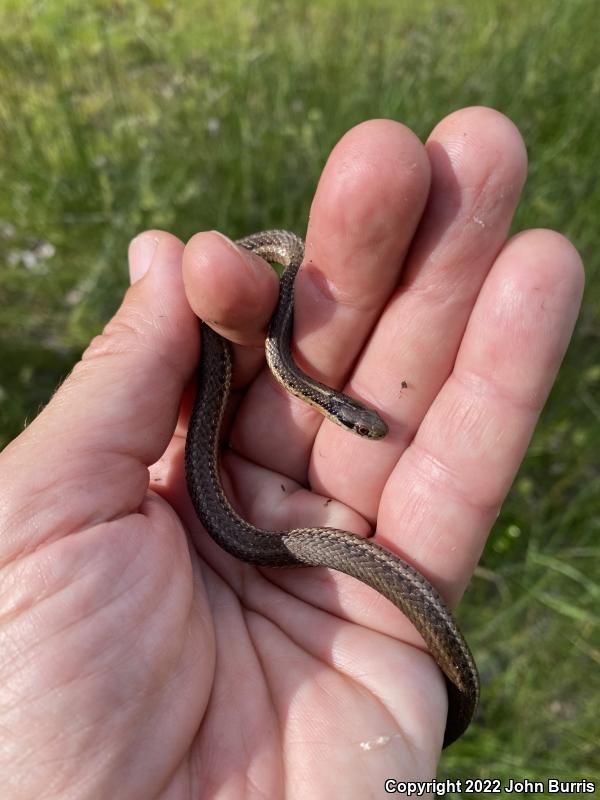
137,660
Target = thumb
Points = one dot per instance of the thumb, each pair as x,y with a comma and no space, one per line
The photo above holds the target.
84,459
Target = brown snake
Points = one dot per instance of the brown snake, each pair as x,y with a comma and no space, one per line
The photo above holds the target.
361,558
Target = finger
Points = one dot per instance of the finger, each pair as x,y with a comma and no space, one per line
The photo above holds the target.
478,163
235,292
366,208
444,495
84,459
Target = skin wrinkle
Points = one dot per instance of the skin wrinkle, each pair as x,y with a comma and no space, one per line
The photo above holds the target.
234,496
268,575
131,467
337,513
61,514
238,609
467,421
172,778
486,387
23,514
454,263
408,741
441,301
256,791
354,683
447,283
329,295
103,347
247,616
21,568
436,472
123,330
94,612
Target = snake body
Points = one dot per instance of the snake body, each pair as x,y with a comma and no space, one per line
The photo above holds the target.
361,558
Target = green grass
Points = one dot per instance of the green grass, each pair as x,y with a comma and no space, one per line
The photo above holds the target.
116,116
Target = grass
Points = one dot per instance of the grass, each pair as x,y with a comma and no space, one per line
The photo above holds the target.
116,116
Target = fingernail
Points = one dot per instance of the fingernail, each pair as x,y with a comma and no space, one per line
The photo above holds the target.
249,258
226,240
141,253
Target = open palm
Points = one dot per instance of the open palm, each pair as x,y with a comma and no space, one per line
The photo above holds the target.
139,661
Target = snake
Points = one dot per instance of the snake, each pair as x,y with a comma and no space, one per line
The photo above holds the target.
362,559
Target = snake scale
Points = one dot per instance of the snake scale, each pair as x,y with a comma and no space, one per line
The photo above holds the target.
361,558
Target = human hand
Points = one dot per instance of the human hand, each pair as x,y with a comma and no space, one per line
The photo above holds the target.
133,665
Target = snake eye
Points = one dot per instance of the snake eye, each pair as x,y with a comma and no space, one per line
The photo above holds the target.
362,430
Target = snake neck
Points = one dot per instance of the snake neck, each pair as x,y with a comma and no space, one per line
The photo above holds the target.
338,407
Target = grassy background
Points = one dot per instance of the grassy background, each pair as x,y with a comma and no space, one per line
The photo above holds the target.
116,116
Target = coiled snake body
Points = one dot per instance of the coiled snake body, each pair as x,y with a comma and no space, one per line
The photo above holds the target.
323,547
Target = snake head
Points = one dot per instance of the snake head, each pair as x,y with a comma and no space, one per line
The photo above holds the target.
360,420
